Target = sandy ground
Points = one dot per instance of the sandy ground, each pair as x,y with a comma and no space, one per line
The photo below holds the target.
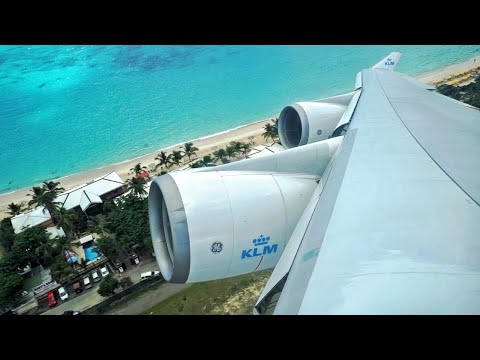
442,73
206,145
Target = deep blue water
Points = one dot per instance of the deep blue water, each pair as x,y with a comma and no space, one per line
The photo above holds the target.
65,109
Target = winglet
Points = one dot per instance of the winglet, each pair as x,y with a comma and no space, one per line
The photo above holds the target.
389,62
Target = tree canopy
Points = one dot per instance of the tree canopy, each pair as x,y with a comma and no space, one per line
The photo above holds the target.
7,235
10,287
128,220
107,286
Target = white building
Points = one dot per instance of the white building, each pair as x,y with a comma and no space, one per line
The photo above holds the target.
37,216
93,192
84,196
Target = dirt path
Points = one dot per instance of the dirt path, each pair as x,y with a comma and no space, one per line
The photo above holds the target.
146,300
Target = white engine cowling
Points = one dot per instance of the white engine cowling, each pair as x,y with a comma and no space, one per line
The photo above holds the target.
307,122
212,225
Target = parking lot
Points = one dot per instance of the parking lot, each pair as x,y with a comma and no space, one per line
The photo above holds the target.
74,298
90,297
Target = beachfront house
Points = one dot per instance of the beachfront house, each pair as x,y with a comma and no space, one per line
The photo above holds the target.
36,217
87,197
91,195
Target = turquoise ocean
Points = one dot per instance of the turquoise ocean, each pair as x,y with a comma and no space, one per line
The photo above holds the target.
67,109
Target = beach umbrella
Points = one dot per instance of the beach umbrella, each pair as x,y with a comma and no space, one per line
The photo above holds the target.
71,256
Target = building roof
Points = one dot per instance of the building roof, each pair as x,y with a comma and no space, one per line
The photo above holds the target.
86,239
88,194
264,150
34,217
142,175
54,232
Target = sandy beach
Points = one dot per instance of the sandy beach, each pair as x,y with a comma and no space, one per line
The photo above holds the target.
206,145
248,133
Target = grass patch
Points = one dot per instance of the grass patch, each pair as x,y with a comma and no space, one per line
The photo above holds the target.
235,295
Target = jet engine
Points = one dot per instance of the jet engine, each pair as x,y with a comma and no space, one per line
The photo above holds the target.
307,122
217,224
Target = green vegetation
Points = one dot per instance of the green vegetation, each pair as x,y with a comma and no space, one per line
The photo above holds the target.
138,169
108,246
45,196
128,220
271,130
189,150
163,159
137,186
7,235
107,286
235,295
469,94
10,287
15,209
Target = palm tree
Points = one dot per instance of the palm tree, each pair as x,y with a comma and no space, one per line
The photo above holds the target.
270,132
189,150
15,209
164,160
44,253
60,269
220,154
207,159
66,220
37,194
197,164
137,186
237,145
64,245
245,148
138,168
231,151
176,157
97,224
43,197
53,186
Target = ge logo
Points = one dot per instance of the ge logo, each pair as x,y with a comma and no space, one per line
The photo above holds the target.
216,247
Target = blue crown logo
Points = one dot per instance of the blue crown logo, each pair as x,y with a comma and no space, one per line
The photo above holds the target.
262,240
389,59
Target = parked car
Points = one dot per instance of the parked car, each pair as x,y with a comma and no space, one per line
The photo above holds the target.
121,267
134,260
87,283
95,276
149,274
77,287
104,271
72,312
63,294
51,299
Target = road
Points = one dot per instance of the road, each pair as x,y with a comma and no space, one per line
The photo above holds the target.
91,297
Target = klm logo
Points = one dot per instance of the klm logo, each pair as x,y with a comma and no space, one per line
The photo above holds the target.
389,62
260,248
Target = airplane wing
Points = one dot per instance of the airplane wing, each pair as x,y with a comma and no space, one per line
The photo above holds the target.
396,229
373,208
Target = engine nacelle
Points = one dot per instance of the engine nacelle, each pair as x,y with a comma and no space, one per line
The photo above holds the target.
307,122
212,225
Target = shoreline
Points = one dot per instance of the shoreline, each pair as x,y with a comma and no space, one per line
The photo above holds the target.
206,144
